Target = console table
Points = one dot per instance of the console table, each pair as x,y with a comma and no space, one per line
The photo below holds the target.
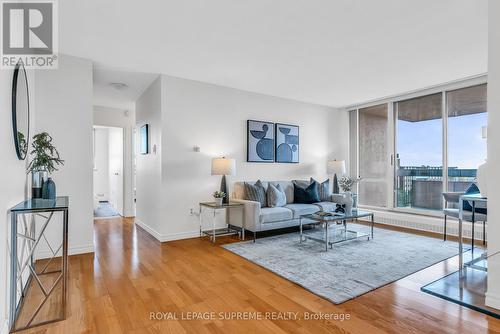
32,284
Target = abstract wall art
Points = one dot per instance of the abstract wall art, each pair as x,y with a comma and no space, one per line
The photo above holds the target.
260,141
287,143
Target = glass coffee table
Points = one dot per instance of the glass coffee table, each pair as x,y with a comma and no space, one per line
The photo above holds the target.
335,227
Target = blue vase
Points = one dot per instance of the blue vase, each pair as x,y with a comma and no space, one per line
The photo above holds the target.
49,189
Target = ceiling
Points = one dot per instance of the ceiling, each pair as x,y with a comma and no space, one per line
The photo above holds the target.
330,52
123,98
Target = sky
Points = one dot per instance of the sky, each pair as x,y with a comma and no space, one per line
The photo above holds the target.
420,143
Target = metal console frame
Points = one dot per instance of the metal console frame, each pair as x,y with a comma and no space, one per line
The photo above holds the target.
19,264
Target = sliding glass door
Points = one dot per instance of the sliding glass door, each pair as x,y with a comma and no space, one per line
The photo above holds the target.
419,147
467,120
373,151
419,153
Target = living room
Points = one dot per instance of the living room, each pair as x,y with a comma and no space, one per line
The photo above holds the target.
282,170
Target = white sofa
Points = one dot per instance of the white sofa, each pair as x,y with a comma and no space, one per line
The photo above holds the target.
256,219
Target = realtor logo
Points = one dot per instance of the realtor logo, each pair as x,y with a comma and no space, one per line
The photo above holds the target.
29,33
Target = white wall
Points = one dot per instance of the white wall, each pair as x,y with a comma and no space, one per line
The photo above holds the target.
15,184
112,117
148,110
214,118
64,110
101,166
493,294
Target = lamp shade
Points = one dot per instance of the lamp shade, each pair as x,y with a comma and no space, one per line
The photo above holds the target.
223,166
336,167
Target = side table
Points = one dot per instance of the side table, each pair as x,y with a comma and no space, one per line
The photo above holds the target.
218,232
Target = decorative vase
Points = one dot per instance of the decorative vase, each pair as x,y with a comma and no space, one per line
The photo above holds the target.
482,179
348,201
218,201
38,179
49,189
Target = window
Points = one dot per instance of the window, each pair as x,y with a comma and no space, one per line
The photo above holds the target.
467,119
419,153
402,149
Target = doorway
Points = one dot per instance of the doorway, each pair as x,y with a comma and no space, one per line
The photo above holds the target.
108,171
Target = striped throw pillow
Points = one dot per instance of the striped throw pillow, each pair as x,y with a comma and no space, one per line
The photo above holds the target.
256,192
323,190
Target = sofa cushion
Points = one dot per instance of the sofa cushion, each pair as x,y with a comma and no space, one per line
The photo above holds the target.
302,209
307,195
287,187
302,183
323,190
270,215
275,196
327,206
256,192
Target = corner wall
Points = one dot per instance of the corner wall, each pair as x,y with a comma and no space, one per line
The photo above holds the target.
493,294
148,110
64,110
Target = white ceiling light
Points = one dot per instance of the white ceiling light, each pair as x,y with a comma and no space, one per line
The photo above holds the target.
119,85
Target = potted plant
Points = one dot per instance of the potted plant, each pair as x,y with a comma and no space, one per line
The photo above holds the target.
218,196
45,161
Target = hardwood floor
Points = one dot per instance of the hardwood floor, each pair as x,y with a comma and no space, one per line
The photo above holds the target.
132,275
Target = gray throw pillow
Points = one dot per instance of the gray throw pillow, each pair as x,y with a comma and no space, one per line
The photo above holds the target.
256,192
275,196
323,190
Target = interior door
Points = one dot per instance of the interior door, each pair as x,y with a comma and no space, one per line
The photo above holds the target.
116,168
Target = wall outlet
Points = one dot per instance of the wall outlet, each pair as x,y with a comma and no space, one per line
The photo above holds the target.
194,212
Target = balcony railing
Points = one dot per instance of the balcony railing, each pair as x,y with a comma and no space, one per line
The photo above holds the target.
421,187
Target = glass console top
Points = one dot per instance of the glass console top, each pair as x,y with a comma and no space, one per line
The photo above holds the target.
40,204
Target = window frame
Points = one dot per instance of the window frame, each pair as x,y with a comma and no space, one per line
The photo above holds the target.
392,137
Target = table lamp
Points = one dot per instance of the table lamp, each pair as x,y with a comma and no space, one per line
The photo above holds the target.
223,166
335,167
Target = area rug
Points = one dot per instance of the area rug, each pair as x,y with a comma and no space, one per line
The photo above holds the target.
105,210
351,268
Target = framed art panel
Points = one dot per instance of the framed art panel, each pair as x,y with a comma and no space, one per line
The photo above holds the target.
287,143
260,141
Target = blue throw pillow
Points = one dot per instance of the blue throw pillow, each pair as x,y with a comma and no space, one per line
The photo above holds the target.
307,195
473,189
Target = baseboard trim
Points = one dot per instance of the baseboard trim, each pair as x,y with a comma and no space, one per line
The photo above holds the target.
492,300
180,236
155,234
45,254
167,237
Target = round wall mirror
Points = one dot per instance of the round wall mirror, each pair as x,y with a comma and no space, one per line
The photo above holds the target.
20,110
